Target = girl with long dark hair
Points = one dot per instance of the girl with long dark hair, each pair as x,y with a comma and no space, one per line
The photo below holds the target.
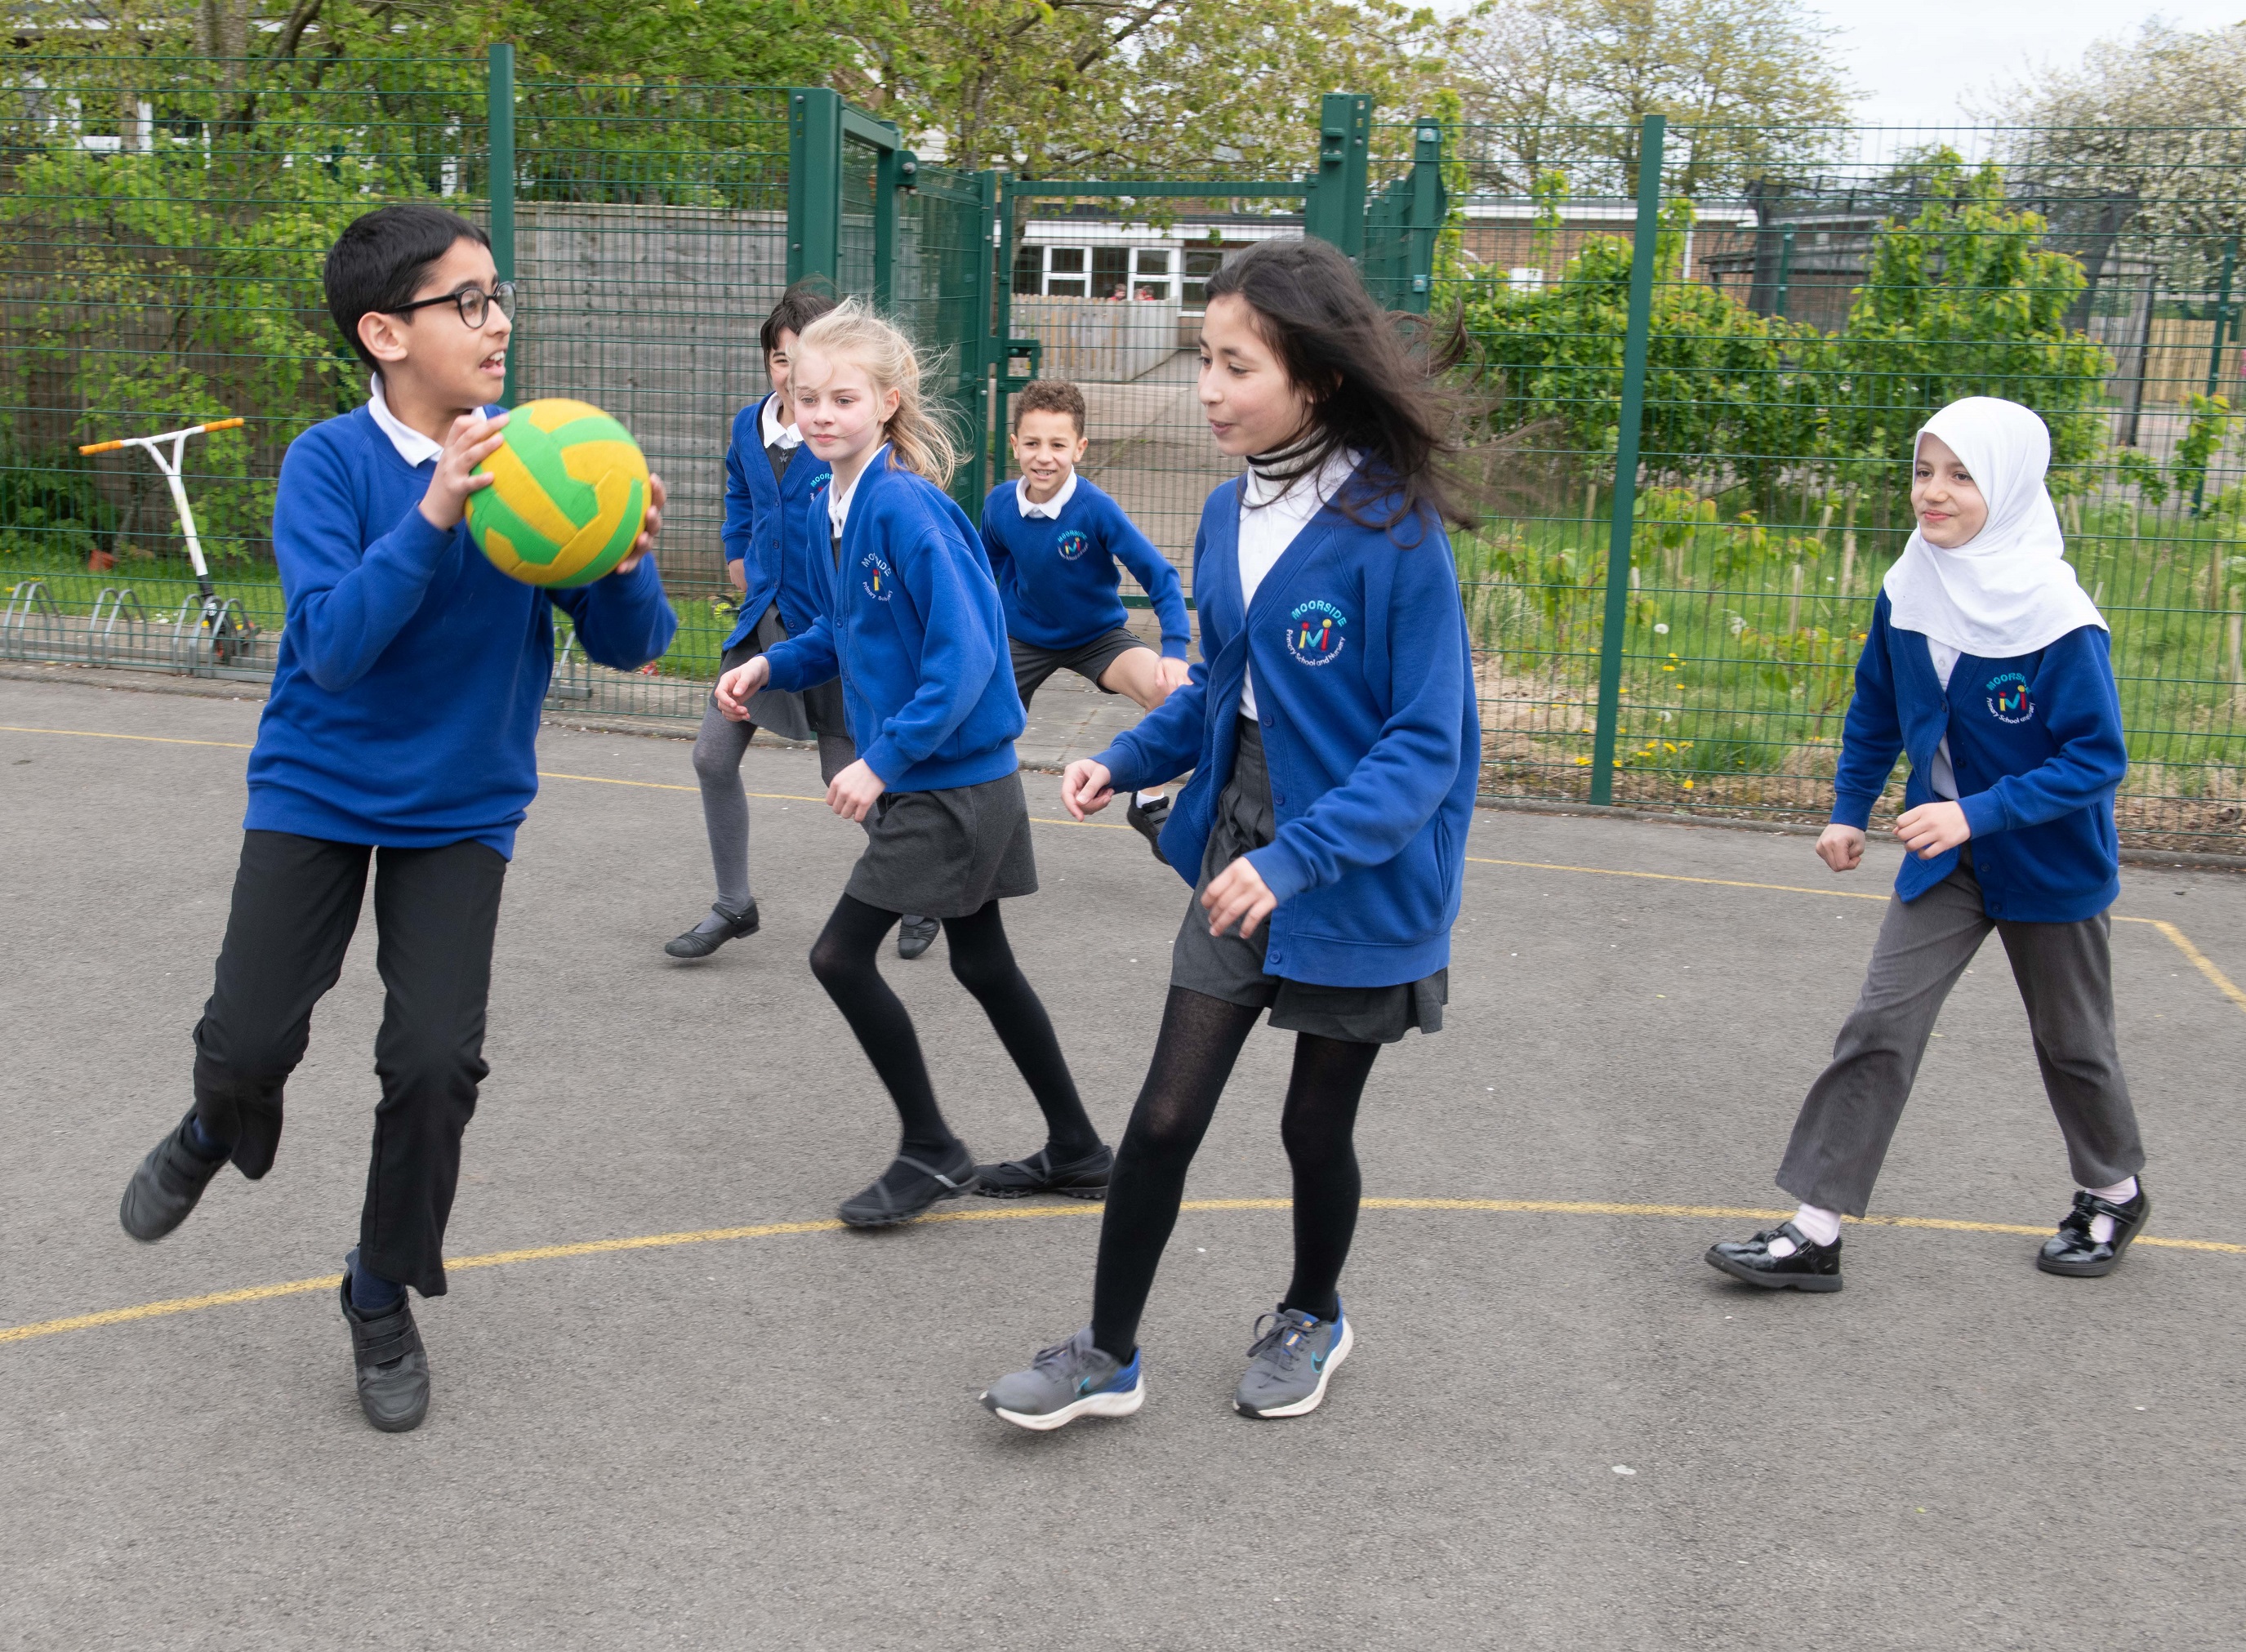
1331,731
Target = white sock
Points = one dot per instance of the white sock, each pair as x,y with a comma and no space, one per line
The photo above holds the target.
1818,1225
1145,798
2101,1227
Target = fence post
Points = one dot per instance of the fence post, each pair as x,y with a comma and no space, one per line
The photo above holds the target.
1425,223
1644,247
498,121
1334,208
814,183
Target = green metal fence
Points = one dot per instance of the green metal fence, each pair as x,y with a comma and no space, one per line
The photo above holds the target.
1697,411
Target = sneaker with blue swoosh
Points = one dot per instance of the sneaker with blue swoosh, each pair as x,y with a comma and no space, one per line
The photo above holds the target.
1289,1361
1069,1380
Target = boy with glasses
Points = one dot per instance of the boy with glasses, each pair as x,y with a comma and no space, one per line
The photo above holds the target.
399,737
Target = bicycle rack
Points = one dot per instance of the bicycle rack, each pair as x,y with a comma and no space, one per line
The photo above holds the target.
187,637
113,608
569,681
31,609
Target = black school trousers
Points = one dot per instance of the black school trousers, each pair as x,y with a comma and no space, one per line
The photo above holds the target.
296,902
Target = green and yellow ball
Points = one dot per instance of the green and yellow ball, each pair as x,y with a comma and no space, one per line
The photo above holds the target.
569,496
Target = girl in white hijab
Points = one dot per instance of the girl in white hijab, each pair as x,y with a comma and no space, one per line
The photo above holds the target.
1988,666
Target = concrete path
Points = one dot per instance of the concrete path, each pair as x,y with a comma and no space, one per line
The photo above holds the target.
1560,1429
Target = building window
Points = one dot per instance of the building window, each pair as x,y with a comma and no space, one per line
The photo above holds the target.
1201,262
1029,271
1150,274
1064,272
1110,267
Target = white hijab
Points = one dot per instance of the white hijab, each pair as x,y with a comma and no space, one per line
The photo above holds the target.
2008,589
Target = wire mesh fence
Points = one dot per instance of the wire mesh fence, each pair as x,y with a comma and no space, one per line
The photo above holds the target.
1797,330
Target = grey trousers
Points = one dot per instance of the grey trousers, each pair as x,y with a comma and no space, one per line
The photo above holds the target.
2065,975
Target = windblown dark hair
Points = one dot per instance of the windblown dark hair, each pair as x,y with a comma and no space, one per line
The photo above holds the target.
378,262
803,302
1373,379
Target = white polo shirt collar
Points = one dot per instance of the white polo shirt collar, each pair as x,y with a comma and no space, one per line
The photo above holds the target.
413,447
838,500
787,438
1052,508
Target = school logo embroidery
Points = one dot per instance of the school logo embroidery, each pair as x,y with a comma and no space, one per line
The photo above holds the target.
2008,697
1071,544
879,583
819,484
1314,633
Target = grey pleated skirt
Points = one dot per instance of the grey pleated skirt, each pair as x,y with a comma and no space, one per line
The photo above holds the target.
1228,968
948,852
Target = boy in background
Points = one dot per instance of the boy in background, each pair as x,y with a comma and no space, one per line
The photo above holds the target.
1054,540
399,736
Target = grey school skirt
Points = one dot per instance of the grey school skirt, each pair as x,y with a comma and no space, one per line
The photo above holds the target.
1228,968
948,852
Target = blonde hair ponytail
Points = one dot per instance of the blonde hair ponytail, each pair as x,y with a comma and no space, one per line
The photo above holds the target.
918,438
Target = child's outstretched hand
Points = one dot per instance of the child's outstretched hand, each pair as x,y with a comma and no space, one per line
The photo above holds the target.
737,686
1840,847
853,793
1237,895
473,439
1086,787
1932,829
650,526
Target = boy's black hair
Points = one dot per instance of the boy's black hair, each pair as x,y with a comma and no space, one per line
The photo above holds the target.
1370,387
378,262
1049,396
801,305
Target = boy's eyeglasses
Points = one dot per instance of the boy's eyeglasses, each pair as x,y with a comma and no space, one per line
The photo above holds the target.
472,302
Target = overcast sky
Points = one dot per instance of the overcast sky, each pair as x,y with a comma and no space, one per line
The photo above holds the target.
1918,61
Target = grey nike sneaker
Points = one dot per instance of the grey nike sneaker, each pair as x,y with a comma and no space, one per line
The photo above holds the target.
1290,1361
1069,1380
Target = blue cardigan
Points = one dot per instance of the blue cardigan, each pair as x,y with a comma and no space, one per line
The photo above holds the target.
911,621
406,702
1364,688
1057,574
2035,742
762,518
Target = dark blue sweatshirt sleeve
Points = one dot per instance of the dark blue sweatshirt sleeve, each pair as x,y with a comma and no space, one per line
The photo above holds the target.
958,649
1153,571
805,659
622,621
2075,683
1871,737
738,535
1001,559
345,604
1165,742
1414,762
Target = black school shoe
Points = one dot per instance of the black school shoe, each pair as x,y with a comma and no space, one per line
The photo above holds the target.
909,1186
1085,1178
165,1188
2073,1252
915,934
700,943
1146,820
1812,1267
392,1365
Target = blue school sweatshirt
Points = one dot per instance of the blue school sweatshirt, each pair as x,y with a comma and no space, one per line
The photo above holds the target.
2036,744
1057,575
1364,690
912,623
761,516
404,705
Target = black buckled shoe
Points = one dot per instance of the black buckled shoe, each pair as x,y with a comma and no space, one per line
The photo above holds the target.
1146,820
165,1188
909,1186
1808,1266
1085,1178
392,1367
700,943
2073,1252
915,934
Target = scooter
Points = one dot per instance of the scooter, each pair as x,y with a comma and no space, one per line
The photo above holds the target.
232,633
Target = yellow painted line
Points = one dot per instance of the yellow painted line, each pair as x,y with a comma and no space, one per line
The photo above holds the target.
1033,1213
2200,960
778,796
152,740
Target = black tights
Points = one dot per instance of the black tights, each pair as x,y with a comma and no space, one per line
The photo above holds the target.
843,958
1202,1037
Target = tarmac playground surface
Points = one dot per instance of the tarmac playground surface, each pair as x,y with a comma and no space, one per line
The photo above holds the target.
1560,1428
